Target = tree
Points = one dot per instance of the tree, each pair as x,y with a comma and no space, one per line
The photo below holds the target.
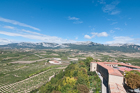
56,91
88,60
82,88
83,70
48,61
91,73
70,81
133,80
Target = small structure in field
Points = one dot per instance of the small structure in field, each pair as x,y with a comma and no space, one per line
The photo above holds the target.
55,62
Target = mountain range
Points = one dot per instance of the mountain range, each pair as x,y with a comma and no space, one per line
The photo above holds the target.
84,46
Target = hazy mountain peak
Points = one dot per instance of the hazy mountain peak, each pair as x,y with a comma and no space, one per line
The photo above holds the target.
83,43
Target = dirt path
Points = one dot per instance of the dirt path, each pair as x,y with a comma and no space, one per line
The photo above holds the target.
29,61
51,77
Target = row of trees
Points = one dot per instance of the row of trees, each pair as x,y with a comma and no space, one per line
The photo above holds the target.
75,79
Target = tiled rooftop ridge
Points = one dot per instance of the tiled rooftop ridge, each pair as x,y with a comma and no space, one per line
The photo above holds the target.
111,70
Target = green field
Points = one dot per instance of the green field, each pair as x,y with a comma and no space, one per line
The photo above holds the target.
16,76
24,77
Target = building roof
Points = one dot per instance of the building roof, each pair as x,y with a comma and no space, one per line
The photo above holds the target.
93,62
111,70
123,64
110,62
124,69
116,88
55,61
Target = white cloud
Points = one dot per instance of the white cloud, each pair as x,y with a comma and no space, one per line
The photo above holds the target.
9,27
94,34
101,1
22,30
114,23
111,8
78,22
110,19
121,40
108,8
102,34
28,31
93,29
4,41
87,37
36,36
118,28
112,31
40,37
73,18
115,12
18,23
76,38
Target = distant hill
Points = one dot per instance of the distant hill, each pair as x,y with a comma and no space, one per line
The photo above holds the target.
107,48
84,46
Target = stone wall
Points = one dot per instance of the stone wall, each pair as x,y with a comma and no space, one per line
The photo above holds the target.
103,71
93,66
115,79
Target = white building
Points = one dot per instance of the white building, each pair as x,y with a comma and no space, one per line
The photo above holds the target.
55,62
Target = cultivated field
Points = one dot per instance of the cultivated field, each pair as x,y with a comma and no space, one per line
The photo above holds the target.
30,83
24,71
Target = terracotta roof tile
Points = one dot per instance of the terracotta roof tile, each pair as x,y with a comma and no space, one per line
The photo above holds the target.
116,88
123,64
111,70
124,69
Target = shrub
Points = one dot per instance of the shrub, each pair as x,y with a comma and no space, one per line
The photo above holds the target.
82,88
56,91
91,73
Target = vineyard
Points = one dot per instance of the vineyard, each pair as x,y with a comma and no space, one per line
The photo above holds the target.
23,72
29,84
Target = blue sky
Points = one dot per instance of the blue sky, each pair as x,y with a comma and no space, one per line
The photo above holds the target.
67,21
